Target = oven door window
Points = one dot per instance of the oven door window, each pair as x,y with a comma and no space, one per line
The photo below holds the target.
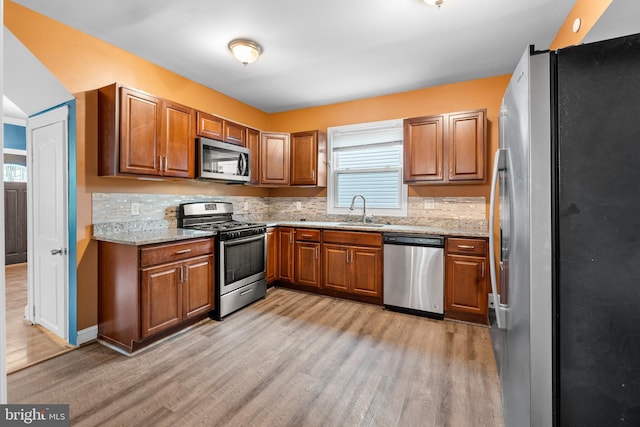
243,258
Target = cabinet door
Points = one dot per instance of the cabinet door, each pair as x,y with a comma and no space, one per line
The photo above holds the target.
424,149
466,291
197,286
336,267
467,152
272,255
161,298
286,237
274,158
209,126
178,141
139,129
253,144
234,133
304,158
307,264
366,271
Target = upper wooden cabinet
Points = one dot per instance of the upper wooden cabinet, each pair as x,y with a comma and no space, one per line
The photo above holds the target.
210,126
309,158
446,148
253,144
274,159
423,149
140,134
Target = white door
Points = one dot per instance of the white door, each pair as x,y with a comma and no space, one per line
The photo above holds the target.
48,292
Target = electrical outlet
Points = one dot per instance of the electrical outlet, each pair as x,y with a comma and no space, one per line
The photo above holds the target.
135,208
246,206
429,203
298,206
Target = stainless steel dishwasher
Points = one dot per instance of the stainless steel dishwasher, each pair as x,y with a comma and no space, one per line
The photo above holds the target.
414,274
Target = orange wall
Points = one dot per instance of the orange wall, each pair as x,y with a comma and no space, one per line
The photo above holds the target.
83,63
589,11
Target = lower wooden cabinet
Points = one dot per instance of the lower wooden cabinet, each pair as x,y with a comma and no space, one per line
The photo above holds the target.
286,239
466,281
272,255
147,292
353,264
307,264
339,263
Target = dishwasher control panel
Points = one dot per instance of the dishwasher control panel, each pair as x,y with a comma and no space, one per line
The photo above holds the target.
413,240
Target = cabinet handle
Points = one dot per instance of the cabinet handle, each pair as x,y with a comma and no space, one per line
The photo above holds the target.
181,274
183,251
290,237
313,175
186,273
165,163
306,236
466,247
316,252
348,261
483,269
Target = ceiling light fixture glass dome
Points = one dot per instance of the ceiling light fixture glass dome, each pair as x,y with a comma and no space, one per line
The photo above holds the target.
245,51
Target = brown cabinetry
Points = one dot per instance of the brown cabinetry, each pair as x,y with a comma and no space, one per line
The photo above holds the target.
140,134
446,148
150,291
309,158
213,127
273,258
353,264
307,258
286,247
466,279
274,159
253,144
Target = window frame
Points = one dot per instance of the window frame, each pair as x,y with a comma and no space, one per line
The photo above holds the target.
332,193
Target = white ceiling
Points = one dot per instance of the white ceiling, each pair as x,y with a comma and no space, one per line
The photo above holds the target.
319,52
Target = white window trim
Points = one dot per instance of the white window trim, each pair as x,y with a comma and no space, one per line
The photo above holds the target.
371,211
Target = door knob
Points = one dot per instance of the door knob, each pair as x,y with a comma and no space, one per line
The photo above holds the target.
60,251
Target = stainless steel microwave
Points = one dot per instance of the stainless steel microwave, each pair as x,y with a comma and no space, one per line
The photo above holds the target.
222,161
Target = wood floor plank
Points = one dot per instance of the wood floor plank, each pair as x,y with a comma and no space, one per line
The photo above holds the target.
293,359
26,344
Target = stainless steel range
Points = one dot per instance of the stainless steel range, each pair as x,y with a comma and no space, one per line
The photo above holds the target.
240,255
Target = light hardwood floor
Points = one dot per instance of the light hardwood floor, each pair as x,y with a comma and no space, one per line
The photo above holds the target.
26,344
292,359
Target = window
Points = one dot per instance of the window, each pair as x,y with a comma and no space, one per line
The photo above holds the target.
15,168
367,159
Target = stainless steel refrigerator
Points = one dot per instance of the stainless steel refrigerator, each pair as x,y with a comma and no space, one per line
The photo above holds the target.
568,178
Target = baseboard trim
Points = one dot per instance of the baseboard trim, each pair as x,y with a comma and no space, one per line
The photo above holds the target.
87,335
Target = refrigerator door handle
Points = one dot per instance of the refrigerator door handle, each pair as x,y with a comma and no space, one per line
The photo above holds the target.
498,164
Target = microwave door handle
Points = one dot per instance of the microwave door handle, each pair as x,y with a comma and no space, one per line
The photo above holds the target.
242,167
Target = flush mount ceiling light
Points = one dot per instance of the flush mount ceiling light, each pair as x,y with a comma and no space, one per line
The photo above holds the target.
245,51
437,3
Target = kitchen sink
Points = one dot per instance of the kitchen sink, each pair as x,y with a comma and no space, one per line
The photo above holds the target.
360,224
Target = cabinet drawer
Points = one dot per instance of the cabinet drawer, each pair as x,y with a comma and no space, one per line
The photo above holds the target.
467,246
175,251
353,238
308,235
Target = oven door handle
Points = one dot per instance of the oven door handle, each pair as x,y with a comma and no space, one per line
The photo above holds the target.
234,242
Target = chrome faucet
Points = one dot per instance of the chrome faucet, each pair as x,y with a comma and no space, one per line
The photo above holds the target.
364,206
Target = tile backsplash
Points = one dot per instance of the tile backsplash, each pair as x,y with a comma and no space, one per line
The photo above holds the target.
112,212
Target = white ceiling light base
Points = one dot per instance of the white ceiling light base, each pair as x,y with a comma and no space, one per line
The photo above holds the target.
245,51
436,3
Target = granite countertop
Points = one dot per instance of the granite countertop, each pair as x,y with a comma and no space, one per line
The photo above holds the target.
418,229
139,238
